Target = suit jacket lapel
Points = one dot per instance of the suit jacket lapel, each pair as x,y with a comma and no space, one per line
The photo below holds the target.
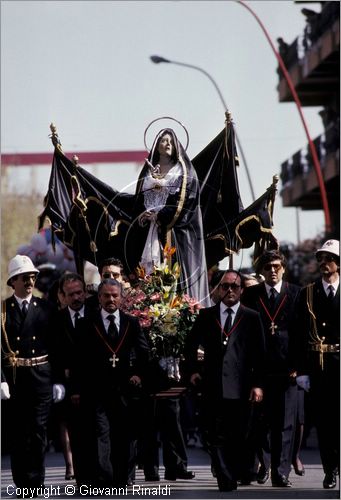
14,312
217,331
98,321
264,296
123,324
69,320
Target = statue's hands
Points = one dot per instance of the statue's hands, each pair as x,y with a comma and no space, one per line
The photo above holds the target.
146,217
150,165
155,170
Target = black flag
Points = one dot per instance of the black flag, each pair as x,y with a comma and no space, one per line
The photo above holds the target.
227,226
83,211
216,167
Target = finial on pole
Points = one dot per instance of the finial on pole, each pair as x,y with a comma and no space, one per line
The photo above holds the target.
54,137
228,117
75,160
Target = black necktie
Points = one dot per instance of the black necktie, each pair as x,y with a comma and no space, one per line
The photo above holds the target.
112,330
24,308
228,322
272,298
330,293
76,318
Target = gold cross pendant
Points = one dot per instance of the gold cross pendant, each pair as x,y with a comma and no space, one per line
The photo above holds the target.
114,360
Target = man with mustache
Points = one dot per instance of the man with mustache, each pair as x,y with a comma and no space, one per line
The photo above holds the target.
31,378
317,355
112,354
71,289
232,339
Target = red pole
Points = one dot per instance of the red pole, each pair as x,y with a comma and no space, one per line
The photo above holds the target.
315,159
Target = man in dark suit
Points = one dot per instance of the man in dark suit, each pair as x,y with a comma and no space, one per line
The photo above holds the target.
275,300
112,355
71,292
232,339
317,355
31,378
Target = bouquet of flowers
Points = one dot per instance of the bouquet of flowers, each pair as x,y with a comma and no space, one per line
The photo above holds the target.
165,314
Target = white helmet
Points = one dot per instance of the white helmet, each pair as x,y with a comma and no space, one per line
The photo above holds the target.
330,246
18,265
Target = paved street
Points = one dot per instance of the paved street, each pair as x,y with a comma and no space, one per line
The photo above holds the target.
203,486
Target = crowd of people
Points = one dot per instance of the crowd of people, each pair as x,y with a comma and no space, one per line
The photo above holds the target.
262,345
257,345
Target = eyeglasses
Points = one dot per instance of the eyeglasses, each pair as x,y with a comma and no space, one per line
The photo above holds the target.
325,258
111,275
226,286
276,267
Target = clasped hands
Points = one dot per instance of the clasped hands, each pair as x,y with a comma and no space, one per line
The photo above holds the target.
145,217
135,380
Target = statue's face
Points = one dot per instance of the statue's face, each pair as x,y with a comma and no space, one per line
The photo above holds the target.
166,146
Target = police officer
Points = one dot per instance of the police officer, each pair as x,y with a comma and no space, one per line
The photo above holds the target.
29,372
317,354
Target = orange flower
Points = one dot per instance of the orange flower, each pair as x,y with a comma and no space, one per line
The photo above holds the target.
141,272
168,251
176,302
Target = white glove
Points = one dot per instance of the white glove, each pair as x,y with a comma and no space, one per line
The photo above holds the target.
303,381
58,392
5,391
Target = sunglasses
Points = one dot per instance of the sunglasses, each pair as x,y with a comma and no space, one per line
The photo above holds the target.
111,275
29,277
325,258
226,286
276,267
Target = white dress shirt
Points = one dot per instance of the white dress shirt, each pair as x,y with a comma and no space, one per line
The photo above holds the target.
223,312
20,301
73,314
106,322
335,286
277,287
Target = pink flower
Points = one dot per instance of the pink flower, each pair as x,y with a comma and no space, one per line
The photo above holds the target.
145,323
155,297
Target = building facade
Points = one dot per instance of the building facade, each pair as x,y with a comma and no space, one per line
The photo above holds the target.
313,63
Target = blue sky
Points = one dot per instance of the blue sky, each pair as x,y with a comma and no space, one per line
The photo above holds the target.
85,66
